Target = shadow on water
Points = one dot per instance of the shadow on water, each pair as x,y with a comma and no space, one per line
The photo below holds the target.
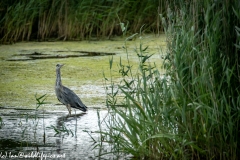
39,131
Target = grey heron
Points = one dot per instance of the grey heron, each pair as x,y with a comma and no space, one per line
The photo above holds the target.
65,95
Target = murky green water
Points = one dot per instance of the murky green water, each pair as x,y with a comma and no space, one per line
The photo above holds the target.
23,129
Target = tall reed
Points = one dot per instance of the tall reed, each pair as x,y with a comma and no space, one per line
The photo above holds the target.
74,20
203,65
191,112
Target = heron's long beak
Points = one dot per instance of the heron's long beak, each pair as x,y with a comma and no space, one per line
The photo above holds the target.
62,65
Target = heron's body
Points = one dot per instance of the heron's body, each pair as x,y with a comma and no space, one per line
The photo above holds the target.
67,96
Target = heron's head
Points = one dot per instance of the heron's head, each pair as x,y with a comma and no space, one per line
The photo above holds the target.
58,66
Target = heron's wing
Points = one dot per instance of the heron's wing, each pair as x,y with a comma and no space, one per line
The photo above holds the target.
72,99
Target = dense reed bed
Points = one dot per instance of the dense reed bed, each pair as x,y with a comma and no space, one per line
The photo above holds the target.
192,110
75,20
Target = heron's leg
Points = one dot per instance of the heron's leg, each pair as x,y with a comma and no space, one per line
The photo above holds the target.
69,109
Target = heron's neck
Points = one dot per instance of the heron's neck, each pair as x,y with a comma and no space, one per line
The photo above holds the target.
58,79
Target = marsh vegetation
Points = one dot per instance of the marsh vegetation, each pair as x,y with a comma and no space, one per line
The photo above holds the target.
76,20
187,110
190,111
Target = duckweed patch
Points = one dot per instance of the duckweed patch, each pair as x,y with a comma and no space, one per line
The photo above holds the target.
21,80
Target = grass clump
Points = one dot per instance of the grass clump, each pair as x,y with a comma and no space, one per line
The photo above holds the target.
74,20
192,111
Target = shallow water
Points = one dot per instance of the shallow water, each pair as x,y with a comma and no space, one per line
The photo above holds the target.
31,132
23,129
